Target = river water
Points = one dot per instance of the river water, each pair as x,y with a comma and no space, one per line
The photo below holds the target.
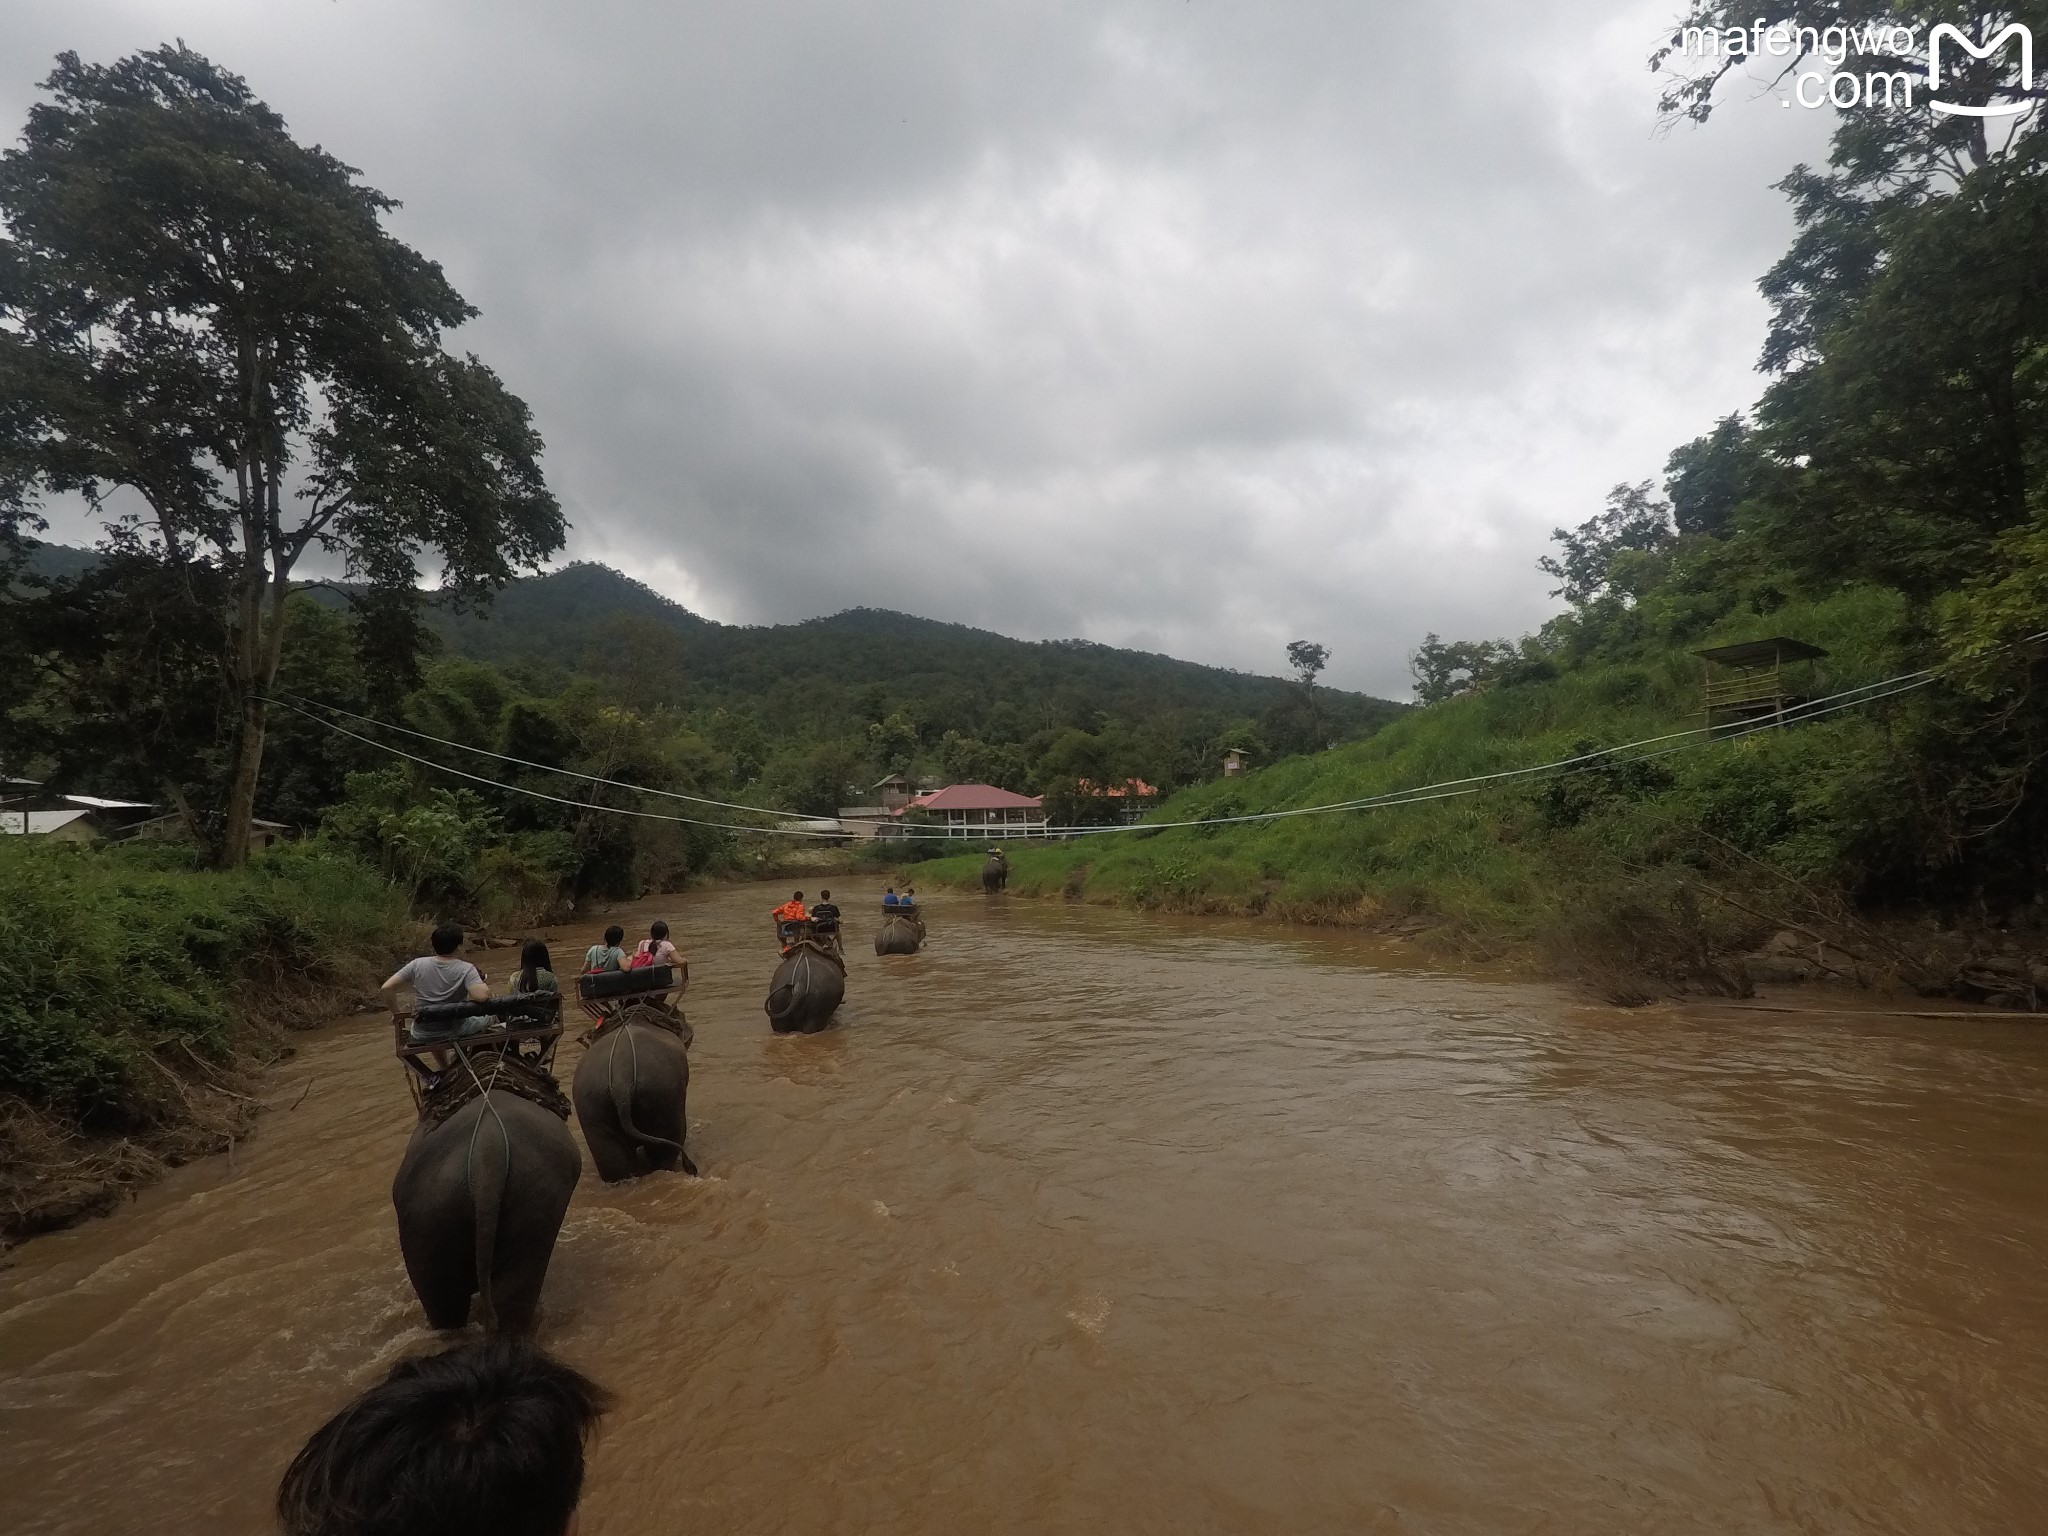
1083,1221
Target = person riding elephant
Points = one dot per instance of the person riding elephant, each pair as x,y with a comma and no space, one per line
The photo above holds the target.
789,919
995,874
480,1198
825,922
631,1092
437,981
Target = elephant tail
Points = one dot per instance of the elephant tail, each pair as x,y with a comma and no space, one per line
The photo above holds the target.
622,1096
488,1176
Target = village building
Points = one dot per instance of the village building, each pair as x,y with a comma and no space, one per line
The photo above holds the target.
973,811
1235,762
1132,798
886,799
27,810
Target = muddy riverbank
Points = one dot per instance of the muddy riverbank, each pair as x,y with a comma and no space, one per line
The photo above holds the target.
1086,1219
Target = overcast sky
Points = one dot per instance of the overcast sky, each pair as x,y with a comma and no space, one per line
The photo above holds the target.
1181,324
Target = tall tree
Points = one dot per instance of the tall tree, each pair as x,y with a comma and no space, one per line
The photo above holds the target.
202,313
1308,660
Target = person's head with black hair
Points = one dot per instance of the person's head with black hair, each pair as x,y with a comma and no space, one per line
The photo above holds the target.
824,895
533,959
447,938
485,1439
614,936
656,932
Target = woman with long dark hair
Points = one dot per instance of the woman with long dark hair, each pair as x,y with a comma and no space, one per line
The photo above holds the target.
536,971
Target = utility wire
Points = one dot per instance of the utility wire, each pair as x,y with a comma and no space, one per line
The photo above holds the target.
1811,709
292,699
1849,698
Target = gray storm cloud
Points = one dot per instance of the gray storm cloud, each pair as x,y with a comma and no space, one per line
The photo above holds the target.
1169,323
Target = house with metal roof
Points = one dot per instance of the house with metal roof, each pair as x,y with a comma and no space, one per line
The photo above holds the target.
72,826
978,811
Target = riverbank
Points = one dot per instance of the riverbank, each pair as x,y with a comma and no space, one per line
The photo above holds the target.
141,998
1637,937
1709,867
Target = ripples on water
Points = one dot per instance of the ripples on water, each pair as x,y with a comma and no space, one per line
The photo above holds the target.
1090,1222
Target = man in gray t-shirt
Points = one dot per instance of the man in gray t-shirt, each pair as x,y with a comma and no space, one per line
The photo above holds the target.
442,977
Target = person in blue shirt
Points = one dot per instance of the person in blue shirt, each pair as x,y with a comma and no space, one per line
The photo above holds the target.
890,901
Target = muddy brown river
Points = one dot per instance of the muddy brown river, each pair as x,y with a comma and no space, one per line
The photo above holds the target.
1089,1222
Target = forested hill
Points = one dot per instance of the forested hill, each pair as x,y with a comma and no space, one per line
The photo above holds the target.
590,618
798,715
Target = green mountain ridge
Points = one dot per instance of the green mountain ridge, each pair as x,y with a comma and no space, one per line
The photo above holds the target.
588,618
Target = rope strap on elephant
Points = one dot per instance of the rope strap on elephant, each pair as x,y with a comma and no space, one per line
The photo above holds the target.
653,1015
478,1071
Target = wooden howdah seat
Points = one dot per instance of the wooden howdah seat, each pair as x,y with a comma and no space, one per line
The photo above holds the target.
793,936
601,994
516,1053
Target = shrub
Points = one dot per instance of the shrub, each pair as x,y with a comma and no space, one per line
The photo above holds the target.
114,960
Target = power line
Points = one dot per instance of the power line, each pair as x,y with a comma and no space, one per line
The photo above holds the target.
588,778
1850,698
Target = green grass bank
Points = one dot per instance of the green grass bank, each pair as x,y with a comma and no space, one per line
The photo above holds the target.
1639,878
139,993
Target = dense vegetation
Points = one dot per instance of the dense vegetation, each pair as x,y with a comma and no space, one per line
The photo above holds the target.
118,963
594,673
1887,499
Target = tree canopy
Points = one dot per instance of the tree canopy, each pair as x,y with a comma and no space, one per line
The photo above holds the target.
207,333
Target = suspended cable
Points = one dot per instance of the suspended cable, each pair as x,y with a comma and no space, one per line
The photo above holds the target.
1790,716
588,778
1849,698
538,794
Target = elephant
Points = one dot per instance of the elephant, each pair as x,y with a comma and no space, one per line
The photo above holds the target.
898,935
480,1198
807,987
995,874
632,1091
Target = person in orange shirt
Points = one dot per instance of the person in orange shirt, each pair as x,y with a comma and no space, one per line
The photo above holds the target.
791,911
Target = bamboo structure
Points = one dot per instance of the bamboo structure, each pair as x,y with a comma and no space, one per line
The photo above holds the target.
1753,679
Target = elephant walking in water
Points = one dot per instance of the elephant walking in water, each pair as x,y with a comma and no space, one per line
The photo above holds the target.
632,1093
899,935
807,987
995,874
480,1198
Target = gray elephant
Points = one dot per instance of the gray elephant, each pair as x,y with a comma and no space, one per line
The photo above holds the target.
995,874
898,935
807,987
632,1092
480,1198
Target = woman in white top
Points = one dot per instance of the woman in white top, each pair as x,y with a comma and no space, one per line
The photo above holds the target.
657,946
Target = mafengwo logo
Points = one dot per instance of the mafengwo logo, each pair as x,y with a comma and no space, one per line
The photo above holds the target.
1915,76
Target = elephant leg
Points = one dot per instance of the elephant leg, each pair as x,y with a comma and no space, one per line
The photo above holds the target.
440,1259
526,1243
436,1226
614,1155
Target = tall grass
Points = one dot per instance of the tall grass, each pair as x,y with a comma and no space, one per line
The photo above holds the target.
122,965
1524,866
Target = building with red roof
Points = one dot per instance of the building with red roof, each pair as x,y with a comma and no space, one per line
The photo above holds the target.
978,810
